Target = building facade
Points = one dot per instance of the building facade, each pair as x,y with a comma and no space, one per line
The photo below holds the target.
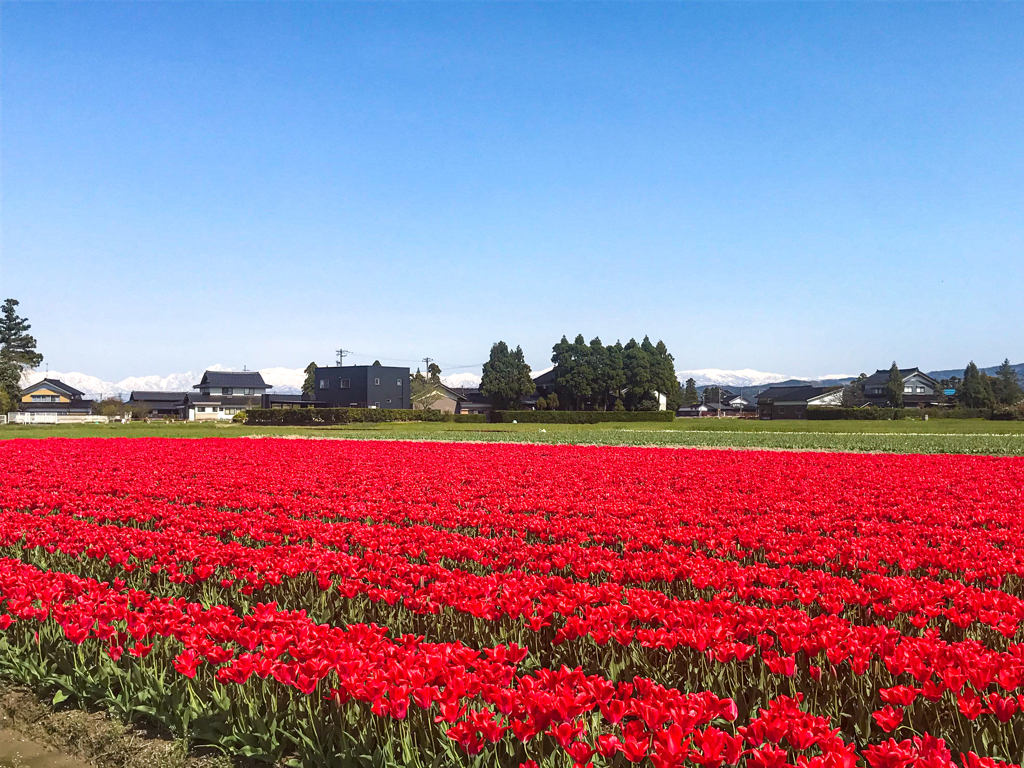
793,402
919,389
54,396
362,386
222,394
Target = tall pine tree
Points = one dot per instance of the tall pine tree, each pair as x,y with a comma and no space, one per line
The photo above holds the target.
1006,385
894,386
17,353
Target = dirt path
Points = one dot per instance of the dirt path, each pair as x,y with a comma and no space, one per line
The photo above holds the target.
18,752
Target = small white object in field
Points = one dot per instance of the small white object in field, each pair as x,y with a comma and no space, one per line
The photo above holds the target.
514,421
543,430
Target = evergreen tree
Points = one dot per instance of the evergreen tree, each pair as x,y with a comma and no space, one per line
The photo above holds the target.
574,370
553,401
639,381
376,362
1006,385
666,380
17,353
690,396
10,384
309,383
614,372
853,393
894,386
15,342
976,391
599,366
506,377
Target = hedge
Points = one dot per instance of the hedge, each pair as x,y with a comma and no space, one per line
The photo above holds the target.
824,413
316,417
578,417
1009,412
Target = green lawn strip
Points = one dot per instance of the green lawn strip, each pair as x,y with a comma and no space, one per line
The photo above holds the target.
973,436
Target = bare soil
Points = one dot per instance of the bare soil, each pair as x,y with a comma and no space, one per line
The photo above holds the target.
33,734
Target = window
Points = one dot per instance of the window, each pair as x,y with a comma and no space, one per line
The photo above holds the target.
399,382
228,390
376,382
45,399
908,388
920,390
782,409
323,383
250,390
346,383
201,409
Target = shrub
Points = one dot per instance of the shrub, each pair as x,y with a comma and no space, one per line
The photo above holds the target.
239,418
578,417
1009,412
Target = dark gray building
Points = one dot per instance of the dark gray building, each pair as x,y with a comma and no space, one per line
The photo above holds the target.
362,386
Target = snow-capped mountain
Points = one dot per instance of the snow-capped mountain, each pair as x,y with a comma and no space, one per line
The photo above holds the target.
745,377
286,381
467,380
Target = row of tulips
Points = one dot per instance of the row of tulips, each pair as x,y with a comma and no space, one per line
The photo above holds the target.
721,629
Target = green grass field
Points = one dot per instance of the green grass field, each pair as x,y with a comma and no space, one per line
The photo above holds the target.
977,436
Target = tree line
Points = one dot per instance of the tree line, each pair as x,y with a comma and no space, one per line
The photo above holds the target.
588,376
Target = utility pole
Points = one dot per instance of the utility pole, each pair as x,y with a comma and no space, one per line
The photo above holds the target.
427,361
341,356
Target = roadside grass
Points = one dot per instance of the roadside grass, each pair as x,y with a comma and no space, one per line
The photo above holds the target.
974,436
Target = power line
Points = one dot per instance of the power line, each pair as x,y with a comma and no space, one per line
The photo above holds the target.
341,355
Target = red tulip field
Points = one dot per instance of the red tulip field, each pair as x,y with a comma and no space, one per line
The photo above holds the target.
441,604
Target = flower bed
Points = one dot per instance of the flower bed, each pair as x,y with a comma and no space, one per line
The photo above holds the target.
447,604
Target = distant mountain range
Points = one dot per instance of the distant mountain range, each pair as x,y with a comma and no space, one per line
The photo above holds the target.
959,372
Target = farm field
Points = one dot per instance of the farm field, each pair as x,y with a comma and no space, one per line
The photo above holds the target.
970,436
387,603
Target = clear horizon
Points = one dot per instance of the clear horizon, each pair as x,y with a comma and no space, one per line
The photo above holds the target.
781,187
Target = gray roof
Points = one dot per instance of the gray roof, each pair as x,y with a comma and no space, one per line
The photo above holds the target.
790,394
56,384
882,376
232,379
144,396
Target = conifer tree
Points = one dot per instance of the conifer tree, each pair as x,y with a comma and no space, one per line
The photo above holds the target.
506,377
894,386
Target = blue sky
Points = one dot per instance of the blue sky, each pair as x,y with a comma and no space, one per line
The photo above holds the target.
798,188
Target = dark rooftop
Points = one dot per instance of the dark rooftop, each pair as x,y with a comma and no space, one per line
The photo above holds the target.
232,379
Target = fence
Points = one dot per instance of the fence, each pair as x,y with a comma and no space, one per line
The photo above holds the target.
55,418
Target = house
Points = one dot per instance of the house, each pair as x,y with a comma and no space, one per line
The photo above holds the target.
54,396
222,394
168,404
448,402
473,402
919,389
287,401
793,402
362,386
